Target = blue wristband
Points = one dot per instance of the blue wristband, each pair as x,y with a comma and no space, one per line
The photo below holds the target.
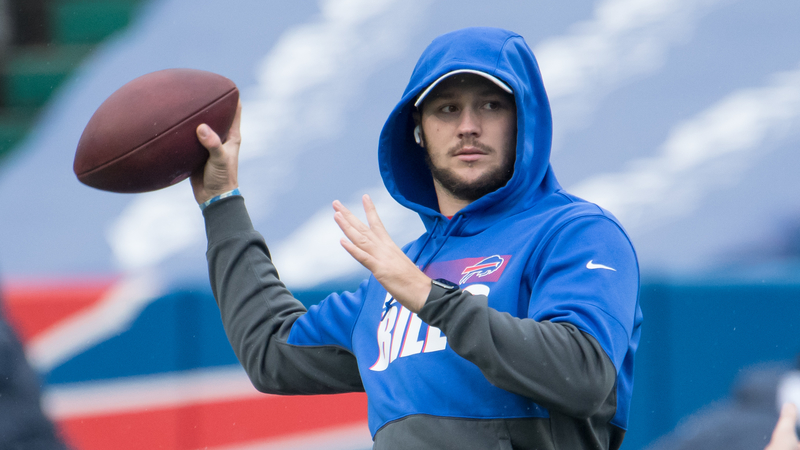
219,197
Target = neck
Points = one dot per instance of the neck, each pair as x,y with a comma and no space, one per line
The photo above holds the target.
448,204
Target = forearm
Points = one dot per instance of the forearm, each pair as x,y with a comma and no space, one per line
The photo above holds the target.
554,364
258,312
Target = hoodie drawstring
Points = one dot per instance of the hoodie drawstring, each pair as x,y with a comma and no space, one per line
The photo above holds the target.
453,226
427,239
414,260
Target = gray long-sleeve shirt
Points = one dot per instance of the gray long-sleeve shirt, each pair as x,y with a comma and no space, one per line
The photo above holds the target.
554,364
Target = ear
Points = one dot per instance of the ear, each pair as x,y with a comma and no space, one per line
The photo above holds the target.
418,129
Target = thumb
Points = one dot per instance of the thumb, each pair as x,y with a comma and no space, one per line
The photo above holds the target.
208,138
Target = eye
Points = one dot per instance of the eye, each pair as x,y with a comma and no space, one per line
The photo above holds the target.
448,109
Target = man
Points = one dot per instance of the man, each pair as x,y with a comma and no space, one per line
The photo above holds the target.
511,323
761,396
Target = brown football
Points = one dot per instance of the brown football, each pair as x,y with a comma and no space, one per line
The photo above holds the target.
142,138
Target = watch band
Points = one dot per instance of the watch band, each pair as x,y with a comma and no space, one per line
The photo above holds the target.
441,287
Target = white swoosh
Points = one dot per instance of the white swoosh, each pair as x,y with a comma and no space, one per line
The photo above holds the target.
591,265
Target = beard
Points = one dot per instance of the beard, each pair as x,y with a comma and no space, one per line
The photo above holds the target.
490,181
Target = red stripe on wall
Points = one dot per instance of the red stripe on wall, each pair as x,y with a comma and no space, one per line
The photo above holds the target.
215,423
32,307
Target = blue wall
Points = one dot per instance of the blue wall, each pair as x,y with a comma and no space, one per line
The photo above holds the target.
695,340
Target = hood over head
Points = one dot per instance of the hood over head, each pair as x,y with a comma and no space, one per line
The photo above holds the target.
497,53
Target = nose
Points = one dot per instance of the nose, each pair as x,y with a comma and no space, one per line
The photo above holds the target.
469,124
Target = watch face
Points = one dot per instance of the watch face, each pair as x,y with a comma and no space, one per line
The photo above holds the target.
445,284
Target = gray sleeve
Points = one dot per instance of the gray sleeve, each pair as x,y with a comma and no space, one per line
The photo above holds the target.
258,312
554,364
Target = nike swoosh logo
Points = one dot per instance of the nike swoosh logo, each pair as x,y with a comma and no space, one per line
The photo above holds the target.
591,265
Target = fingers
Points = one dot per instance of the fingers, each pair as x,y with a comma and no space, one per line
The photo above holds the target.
220,172
359,255
209,139
340,208
349,219
788,419
374,221
354,242
789,413
784,435
374,249
361,241
372,217
352,228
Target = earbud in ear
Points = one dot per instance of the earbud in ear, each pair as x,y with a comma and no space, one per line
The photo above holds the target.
418,134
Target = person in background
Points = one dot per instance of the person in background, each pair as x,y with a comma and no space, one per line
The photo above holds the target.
23,424
784,437
744,420
5,29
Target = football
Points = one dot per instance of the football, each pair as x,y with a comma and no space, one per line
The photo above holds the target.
142,138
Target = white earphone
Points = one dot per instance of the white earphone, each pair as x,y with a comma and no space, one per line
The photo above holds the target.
418,134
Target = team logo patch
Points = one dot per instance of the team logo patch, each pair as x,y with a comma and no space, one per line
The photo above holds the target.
484,267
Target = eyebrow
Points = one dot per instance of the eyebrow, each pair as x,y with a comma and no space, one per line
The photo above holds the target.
451,92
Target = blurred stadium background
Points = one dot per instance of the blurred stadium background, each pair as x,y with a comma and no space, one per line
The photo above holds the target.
680,116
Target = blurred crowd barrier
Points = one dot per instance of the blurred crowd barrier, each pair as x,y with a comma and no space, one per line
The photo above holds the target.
171,378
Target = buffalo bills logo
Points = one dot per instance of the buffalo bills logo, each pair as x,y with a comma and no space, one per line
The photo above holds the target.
485,267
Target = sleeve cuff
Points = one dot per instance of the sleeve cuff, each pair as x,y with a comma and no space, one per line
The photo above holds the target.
226,218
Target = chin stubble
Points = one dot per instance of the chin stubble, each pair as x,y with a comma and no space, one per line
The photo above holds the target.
473,190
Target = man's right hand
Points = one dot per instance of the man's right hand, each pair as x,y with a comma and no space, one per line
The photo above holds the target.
220,173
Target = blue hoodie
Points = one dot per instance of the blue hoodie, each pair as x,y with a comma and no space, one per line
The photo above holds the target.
535,348
506,56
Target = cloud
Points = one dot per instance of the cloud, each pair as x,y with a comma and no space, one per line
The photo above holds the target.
313,255
320,63
154,226
705,152
324,62
625,40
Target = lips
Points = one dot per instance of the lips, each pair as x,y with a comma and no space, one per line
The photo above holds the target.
469,153
469,150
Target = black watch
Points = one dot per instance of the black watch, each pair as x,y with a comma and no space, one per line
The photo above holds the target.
444,286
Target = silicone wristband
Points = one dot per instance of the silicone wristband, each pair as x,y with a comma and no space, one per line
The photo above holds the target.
219,197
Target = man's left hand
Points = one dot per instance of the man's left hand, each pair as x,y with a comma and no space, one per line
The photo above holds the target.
374,249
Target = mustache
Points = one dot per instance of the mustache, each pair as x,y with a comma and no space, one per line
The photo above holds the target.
470,142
